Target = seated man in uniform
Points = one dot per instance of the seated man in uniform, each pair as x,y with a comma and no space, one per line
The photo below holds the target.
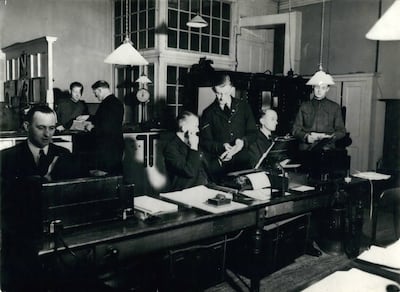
227,129
183,159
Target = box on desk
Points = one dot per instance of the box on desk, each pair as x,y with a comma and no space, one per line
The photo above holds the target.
282,243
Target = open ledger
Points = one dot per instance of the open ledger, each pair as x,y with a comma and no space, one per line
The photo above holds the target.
150,206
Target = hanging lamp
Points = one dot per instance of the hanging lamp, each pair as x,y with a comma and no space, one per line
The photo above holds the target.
387,28
197,21
126,54
320,76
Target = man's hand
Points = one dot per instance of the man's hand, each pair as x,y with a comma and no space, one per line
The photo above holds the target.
88,126
60,128
193,141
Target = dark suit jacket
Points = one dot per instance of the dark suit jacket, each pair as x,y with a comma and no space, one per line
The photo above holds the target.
185,167
106,137
18,161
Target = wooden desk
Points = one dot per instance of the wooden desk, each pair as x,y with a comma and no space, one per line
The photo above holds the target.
119,242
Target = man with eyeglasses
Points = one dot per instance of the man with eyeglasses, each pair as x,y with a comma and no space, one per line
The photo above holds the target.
227,128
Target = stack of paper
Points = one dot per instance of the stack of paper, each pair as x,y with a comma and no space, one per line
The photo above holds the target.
370,175
152,206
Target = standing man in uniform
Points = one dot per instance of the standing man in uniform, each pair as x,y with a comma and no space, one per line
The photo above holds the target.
227,129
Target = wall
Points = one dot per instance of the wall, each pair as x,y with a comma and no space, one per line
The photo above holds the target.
83,29
346,50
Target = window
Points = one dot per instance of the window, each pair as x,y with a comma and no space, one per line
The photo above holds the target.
211,39
142,22
175,81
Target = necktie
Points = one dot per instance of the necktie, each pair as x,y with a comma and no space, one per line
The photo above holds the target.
42,163
227,110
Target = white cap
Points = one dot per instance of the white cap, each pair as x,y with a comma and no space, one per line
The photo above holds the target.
319,78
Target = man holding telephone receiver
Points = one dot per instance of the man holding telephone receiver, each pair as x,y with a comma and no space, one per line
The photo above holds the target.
183,159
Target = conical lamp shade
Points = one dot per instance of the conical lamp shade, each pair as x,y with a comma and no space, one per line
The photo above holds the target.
125,54
143,79
319,78
197,22
387,28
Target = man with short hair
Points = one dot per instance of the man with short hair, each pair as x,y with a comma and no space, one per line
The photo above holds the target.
36,155
319,117
69,109
227,128
183,159
106,130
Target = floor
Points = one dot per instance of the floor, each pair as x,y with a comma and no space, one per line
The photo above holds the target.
307,269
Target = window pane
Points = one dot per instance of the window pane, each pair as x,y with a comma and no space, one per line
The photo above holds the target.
216,9
142,40
207,28
215,46
171,75
172,39
225,29
134,39
142,20
172,18
225,47
142,4
205,43
151,3
151,22
134,6
180,95
194,41
184,17
117,41
150,38
215,27
194,6
182,75
118,26
171,98
117,8
173,4
205,9
183,40
184,5
134,22
226,11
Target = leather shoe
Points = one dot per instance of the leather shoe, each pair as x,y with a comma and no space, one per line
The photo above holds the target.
312,251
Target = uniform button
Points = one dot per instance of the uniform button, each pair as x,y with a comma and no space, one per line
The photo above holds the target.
231,134
229,122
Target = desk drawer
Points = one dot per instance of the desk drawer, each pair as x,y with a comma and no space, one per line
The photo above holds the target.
299,206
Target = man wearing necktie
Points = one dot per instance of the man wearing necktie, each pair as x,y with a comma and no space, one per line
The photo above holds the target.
35,158
227,128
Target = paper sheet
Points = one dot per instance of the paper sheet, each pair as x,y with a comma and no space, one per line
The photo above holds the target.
260,194
197,197
352,280
303,188
259,180
372,175
389,256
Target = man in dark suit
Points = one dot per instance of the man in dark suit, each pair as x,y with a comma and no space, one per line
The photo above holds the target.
106,130
227,128
36,155
183,159
23,167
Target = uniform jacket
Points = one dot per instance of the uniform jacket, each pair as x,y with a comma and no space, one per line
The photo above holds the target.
258,147
185,167
67,111
218,128
324,116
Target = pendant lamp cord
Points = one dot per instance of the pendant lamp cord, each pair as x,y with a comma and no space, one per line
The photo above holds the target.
322,34
126,18
290,39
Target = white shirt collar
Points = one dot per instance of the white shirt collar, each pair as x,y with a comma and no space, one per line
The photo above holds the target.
35,150
228,104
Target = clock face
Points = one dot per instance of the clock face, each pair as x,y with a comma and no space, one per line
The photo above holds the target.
143,95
